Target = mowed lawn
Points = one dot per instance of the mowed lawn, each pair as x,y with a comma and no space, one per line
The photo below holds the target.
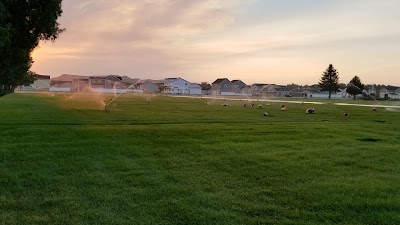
180,161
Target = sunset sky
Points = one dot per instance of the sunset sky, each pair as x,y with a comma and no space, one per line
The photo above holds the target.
257,41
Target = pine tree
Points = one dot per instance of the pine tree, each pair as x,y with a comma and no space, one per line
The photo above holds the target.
329,80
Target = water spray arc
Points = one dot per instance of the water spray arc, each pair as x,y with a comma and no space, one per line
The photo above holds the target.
106,104
366,94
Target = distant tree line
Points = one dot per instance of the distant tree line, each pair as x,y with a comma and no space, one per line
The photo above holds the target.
23,23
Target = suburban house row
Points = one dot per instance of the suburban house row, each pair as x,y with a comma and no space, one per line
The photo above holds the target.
112,84
177,85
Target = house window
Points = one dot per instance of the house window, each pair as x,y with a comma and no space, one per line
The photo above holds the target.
225,85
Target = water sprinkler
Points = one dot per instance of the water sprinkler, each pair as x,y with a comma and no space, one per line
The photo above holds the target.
104,104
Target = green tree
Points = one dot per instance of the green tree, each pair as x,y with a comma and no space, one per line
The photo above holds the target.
355,87
23,24
4,28
205,86
329,80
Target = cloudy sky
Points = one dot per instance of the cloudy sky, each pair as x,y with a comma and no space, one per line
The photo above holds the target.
265,41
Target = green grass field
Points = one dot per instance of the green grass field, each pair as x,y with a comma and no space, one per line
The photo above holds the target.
180,161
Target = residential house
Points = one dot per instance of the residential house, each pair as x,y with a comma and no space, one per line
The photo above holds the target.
176,86
371,90
238,85
106,84
81,84
305,92
75,82
282,91
222,86
206,89
325,94
147,87
66,87
246,90
257,88
128,82
194,89
160,84
389,92
42,83
269,90
64,78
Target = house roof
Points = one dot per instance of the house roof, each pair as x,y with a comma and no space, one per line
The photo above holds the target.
237,81
129,80
234,81
194,85
392,88
219,80
150,81
106,76
306,90
259,85
175,78
42,77
68,77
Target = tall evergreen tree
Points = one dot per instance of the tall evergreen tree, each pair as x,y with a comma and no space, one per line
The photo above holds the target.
355,87
329,80
23,23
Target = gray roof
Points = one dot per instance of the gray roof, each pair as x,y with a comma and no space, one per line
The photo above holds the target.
220,80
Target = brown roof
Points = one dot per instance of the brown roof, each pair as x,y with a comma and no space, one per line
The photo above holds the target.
68,77
106,77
